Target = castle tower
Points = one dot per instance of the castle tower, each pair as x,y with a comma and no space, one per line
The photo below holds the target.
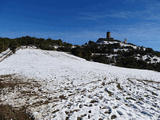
108,35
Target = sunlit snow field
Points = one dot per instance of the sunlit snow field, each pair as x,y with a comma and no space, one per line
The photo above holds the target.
59,86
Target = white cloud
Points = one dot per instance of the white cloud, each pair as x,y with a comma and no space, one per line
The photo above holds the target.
149,12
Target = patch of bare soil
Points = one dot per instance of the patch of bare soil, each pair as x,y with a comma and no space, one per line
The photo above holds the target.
9,113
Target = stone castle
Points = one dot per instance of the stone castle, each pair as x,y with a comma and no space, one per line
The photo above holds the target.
109,38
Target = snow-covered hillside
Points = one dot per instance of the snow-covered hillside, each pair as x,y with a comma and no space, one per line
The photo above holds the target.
115,42
5,54
122,49
56,85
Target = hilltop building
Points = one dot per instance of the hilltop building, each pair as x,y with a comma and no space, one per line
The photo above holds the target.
108,35
108,38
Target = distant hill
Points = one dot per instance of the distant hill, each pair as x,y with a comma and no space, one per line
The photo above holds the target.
119,53
105,50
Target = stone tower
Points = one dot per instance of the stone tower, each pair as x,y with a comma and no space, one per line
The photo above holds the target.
108,35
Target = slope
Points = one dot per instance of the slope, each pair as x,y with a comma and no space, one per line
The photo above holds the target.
56,85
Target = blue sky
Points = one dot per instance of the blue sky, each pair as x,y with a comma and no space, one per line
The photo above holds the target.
77,21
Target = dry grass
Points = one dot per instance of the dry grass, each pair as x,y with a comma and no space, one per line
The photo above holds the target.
10,81
9,113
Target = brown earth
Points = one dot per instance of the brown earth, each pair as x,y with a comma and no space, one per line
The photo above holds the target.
9,113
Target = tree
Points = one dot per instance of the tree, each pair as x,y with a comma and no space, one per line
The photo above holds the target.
13,45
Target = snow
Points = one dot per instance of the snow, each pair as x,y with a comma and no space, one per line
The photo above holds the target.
115,42
116,50
154,59
108,42
128,45
35,63
4,52
83,86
